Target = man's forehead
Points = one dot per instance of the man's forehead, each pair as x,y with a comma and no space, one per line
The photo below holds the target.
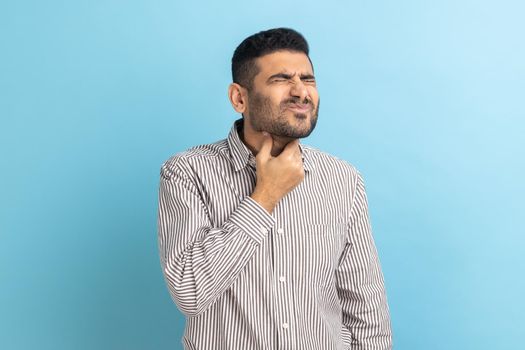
284,62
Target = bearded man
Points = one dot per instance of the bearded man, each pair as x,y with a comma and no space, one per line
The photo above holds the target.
266,243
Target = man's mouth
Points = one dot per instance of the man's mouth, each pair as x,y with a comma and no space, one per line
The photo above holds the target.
299,107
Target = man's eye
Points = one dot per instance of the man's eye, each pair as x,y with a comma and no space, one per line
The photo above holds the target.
279,80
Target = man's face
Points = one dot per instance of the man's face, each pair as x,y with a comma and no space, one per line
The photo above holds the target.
284,99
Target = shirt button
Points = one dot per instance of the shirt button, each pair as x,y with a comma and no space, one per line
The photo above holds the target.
263,230
282,279
280,230
285,325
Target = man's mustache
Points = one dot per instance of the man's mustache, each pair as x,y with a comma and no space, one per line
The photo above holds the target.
290,102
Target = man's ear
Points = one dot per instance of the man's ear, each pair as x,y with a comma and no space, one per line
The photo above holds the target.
238,97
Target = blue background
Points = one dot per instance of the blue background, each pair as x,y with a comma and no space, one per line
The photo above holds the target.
425,98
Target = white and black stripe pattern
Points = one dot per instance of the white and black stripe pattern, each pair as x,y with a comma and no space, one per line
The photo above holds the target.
305,277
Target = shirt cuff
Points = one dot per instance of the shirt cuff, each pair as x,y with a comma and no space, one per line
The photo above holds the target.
252,219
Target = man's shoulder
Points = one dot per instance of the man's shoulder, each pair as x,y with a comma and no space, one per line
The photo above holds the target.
325,161
180,163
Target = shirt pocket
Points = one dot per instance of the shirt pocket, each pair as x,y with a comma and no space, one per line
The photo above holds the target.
318,249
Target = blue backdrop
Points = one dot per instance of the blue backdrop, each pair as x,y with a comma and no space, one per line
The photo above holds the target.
425,98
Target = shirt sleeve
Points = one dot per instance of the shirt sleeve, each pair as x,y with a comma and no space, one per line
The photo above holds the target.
201,261
360,282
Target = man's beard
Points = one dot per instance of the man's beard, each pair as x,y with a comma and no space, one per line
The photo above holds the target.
264,117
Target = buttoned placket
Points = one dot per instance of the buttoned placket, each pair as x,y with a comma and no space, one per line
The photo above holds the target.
283,287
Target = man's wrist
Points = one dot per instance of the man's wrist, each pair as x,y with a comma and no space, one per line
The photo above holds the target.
264,199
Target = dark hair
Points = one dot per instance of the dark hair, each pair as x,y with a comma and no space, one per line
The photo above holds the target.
244,68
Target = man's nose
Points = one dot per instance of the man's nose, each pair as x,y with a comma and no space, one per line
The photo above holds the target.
299,89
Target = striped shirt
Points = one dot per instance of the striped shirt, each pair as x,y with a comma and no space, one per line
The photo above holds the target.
306,276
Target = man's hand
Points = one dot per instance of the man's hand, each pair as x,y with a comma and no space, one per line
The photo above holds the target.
276,176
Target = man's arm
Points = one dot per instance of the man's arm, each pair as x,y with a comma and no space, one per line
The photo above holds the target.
360,281
200,261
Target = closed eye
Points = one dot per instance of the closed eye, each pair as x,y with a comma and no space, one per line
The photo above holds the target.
283,77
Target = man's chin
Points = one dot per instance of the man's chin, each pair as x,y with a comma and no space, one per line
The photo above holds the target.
304,129
298,134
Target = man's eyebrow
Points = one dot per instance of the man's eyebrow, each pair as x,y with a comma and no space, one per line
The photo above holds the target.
289,76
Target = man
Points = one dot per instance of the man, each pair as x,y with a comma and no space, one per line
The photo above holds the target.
265,243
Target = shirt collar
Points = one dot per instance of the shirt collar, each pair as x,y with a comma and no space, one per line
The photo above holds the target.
241,156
